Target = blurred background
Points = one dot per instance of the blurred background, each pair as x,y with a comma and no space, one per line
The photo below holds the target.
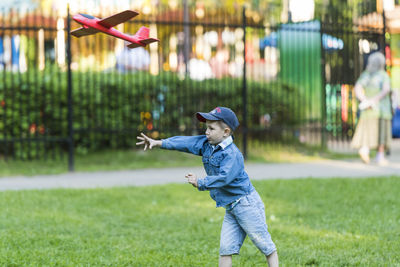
287,68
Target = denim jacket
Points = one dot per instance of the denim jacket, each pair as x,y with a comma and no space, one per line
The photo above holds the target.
224,164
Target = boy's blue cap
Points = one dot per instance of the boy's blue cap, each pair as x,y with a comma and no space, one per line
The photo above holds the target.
220,114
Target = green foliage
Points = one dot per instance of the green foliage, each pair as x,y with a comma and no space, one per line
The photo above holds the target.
317,222
111,108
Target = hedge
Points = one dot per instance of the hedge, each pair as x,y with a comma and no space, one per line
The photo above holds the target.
110,108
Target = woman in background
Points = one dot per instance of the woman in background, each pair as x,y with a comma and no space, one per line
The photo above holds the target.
374,129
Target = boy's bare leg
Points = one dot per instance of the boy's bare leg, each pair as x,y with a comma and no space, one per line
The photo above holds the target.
225,261
272,259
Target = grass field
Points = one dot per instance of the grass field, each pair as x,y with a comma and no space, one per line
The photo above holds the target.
137,159
314,222
101,161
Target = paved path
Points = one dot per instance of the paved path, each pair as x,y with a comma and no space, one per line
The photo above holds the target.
323,169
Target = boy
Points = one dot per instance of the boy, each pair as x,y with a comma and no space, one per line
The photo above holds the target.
228,183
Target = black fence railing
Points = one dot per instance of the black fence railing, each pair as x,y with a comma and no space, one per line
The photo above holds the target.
286,81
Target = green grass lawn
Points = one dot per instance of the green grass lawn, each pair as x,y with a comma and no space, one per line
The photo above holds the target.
314,222
137,159
109,160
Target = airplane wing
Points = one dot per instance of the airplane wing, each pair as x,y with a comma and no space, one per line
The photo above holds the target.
149,41
133,45
83,31
117,18
144,42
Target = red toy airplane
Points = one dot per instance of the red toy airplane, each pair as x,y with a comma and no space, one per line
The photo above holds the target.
92,25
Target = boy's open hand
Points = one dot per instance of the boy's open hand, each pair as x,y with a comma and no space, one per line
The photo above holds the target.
192,179
148,142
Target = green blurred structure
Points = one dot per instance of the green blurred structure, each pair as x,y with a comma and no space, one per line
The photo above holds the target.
300,64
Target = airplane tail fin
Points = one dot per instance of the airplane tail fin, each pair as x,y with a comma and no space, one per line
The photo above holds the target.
142,36
143,33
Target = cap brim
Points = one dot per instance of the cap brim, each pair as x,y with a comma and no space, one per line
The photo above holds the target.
206,116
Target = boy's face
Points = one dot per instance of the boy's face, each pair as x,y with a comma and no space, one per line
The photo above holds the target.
215,132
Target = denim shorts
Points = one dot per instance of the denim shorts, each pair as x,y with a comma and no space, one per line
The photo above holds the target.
245,217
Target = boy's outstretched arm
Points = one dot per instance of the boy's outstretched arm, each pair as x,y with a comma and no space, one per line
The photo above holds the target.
148,142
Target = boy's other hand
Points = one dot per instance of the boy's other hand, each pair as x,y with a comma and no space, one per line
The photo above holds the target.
192,179
148,142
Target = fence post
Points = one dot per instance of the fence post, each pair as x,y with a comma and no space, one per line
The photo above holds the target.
323,93
69,89
384,33
186,40
244,91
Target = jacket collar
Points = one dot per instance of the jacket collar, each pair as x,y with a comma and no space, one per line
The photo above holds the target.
226,142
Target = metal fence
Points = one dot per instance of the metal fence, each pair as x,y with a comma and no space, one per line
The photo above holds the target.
289,81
